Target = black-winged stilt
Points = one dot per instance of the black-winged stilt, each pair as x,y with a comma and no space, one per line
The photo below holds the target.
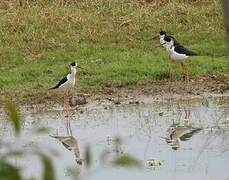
68,81
162,35
66,84
177,132
71,144
177,52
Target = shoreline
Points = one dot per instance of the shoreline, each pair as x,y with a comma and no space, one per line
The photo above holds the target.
138,94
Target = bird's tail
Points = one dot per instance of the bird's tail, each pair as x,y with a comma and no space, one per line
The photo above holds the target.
193,53
79,161
53,136
52,88
58,137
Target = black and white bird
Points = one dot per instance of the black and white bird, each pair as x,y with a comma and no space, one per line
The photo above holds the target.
178,53
177,133
162,35
70,143
66,84
68,81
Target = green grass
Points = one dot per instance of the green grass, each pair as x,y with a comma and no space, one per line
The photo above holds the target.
39,39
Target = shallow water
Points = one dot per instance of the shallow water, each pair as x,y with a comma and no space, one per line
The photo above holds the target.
143,130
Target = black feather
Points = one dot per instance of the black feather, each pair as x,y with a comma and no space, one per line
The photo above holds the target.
168,38
79,162
62,81
182,50
73,64
162,33
67,146
176,43
187,136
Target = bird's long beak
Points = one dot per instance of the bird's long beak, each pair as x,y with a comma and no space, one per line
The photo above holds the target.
161,45
80,67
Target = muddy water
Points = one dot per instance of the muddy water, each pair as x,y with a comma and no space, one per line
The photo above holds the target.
189,138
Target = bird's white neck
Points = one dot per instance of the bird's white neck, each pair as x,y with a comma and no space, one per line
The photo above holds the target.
167,47
172,48
73,71
162,41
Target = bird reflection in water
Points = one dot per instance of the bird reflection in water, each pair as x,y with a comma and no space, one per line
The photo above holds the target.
177,132
70,143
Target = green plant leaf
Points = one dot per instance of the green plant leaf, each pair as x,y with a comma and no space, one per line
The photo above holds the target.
88,156
14,153
9,172
126,161
48,170
161,113
13,115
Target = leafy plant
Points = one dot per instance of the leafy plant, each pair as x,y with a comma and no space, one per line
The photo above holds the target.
126,161
13,115
9,171
48,170
88,156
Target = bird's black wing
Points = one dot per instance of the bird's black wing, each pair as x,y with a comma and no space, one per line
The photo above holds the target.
187,136
182,50
67,146
62,81
176,43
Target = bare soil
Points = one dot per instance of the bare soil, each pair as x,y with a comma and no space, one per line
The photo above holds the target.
120,94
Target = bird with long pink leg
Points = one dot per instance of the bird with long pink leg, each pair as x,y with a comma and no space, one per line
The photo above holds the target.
66,84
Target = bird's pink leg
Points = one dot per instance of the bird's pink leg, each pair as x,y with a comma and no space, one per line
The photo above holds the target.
184,72
66,111
64,105
68,105
69,128
69,122
186,115
189,113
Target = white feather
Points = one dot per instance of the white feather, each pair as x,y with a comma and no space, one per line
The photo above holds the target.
162,41
176,56
70,80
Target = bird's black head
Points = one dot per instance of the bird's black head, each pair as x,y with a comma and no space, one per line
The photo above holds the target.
175,148
79,162
167,39
73,64
162,33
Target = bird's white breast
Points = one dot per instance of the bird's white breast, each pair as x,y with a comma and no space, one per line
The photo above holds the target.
176,56
162,41
69,83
